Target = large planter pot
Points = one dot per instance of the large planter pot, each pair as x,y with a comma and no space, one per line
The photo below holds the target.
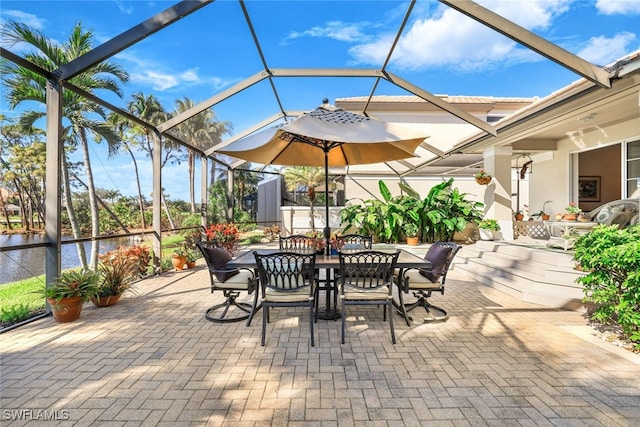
106,301
412,241
178,261
66,309
485,234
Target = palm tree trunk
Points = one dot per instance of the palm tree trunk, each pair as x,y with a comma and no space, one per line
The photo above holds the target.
73,220
140,198
93,204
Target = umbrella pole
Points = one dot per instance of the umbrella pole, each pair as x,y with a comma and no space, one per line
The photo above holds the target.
327,229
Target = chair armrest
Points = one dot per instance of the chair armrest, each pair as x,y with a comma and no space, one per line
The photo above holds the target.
401,280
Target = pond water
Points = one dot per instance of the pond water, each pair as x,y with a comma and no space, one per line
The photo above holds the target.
26,263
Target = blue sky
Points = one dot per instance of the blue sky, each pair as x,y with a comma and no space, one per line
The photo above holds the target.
441,50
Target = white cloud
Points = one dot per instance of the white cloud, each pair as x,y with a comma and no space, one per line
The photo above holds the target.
336,30
624,7
124,9
161,77
448,37
25,18
158,81
603,51
189,76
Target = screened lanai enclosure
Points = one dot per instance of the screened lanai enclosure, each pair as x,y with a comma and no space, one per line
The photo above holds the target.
81,122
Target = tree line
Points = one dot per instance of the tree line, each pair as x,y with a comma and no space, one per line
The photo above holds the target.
22,143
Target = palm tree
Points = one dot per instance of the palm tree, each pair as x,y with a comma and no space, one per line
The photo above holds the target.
133,135
201,131
25,85
307,177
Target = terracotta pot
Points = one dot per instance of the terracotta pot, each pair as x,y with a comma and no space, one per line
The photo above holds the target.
191,264
519,217
106,301
178,261
569,217
546,217
66,309
412,241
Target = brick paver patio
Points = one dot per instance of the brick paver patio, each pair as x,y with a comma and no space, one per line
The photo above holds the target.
153,359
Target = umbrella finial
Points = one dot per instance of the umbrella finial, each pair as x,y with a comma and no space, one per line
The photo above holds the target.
325,101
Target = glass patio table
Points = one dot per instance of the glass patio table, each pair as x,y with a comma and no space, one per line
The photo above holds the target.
330,263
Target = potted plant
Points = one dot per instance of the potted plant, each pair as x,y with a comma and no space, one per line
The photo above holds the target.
542,214
572,212
70,291
519,216
488,229
411,231
483,177
117,270
191,257
179,258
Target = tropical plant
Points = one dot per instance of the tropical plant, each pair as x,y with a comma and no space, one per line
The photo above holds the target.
439,215
446,210
118,269
74,283
611,256
25,85
410,229
307,178
226,235
363,218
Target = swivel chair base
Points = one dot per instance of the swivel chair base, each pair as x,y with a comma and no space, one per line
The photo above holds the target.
434,313
213,313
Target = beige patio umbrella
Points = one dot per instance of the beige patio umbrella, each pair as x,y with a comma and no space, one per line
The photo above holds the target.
327,136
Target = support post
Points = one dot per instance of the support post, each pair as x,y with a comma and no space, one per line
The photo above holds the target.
497,197
157,202
54,153
204,191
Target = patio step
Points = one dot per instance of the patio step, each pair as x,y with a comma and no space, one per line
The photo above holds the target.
531,274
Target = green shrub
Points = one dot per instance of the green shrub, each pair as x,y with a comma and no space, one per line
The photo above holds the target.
611,256
15,313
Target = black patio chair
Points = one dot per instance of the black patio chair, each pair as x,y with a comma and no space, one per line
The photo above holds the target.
354,242
423,282
231,281
298,243
287,279
366,278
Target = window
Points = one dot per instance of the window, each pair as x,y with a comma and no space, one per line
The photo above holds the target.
633,169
